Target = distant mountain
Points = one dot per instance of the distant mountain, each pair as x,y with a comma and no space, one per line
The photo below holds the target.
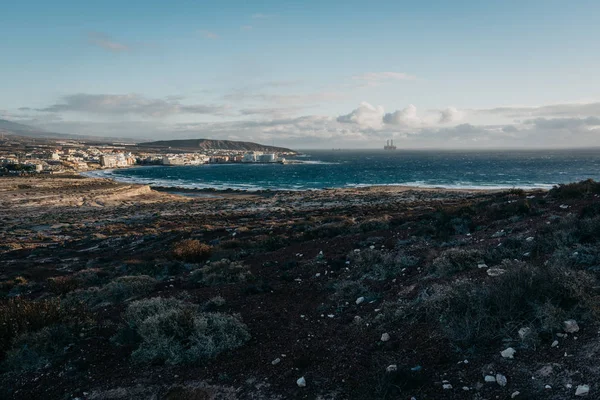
209,144
16,127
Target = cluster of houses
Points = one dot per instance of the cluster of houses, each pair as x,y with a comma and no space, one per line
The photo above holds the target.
68,155
220,158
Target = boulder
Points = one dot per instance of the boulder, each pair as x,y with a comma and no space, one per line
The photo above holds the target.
570,326
582,390
501,379
301,382
508,353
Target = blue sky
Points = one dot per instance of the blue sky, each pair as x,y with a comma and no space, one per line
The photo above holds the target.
307,74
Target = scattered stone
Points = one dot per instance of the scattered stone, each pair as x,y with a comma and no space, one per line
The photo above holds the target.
548,387
508,353
276,361
490,378
530,239
392,368
570,326
360,300
524,333
515,394
385,337
554,344
495,271
301,382
482,265
357,319
447,386
465,388
501,379
582,390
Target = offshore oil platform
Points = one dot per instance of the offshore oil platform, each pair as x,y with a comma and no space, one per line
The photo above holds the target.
389,145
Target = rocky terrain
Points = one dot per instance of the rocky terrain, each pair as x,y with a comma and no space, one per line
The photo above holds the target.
114,291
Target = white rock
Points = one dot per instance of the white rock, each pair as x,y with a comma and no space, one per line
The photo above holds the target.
465,388
508,353
554,344
447,386
570,326
482,266
501,379
301,382
548,387
385,337
495,271
569,386
392,368
515,394
276,361
360,300
582,390
524,332
490,378
530,239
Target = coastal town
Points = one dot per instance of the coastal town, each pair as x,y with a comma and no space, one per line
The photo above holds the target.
19,155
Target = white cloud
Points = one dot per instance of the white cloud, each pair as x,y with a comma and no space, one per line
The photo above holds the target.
246,27
208,34
107,43
450,114
406,117
365,116
129,104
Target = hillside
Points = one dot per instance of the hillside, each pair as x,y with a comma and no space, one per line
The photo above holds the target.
349,294
208,144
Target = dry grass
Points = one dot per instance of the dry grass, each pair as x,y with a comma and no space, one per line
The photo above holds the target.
192,251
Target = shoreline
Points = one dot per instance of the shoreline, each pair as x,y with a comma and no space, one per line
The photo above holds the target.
183,190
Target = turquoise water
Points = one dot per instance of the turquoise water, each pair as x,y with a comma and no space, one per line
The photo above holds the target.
329,169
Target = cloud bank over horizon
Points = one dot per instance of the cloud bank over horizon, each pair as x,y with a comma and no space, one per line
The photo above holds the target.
367,125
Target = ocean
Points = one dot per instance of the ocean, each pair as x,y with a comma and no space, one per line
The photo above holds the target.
354,168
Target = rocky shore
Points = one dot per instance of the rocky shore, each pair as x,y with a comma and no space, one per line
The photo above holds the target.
118,291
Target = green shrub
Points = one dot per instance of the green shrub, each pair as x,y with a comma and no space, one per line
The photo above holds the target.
192,251
118,290
539,297
32,351
378,265
375,224
221,272
174,332
452,261
77,280
576,190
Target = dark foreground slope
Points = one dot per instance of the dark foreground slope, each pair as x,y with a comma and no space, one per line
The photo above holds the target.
365,293
209,144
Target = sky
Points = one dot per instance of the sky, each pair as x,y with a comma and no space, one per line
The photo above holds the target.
307,74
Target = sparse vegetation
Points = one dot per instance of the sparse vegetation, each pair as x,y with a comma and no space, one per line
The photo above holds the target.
452,261
175,332
221,272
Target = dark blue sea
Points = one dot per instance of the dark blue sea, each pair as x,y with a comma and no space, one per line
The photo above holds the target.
353,168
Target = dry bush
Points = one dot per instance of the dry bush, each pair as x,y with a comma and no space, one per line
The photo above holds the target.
35,350
378,265
192,251
453,261
19,316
